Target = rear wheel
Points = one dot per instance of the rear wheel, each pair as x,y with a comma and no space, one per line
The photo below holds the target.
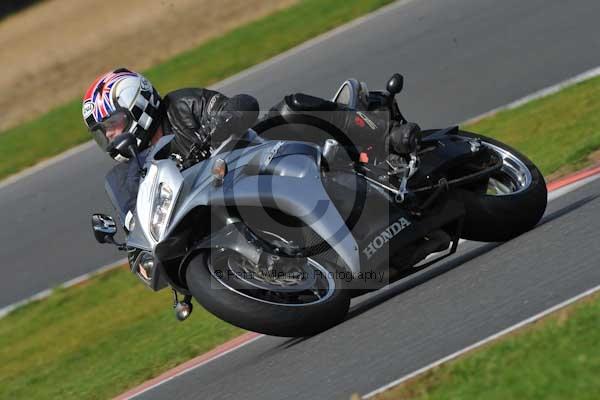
510,203
301,300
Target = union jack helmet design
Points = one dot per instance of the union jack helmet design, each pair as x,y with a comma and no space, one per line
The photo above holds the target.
121,101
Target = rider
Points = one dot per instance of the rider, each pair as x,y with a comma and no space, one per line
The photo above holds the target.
125,101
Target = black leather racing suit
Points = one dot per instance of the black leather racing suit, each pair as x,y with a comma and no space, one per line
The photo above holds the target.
198,118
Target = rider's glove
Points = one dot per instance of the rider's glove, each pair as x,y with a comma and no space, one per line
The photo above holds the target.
219,126
237,115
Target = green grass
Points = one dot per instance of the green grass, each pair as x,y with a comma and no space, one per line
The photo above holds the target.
96,340
556,132
213,61
556,358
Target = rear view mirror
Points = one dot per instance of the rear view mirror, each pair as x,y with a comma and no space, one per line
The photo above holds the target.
395,84
104,228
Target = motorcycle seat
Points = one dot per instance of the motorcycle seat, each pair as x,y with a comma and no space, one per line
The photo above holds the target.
305,102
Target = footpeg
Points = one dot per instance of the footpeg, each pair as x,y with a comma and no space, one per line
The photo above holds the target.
183,309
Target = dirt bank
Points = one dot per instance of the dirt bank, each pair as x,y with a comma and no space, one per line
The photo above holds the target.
51,51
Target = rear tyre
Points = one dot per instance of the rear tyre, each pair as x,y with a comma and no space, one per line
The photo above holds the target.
220,295
518,204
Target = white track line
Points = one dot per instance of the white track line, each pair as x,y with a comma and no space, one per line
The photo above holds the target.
4,311
197,366
555,194
592,73
483,342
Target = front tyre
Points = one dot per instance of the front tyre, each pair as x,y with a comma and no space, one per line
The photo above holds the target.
513,201
249,306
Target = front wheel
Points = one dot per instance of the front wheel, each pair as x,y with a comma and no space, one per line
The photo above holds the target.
293,304
510,203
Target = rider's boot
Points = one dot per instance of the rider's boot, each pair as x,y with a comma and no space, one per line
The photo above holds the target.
403,139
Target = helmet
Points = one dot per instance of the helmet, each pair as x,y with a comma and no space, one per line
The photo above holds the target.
121,101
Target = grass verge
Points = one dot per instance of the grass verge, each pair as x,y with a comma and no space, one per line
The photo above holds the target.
96,340
63,128
557,357
558,133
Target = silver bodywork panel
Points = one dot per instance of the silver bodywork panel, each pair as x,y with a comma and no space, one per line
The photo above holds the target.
281,175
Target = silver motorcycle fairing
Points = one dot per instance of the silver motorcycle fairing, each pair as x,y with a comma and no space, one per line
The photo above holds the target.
163,170
294,187
137,238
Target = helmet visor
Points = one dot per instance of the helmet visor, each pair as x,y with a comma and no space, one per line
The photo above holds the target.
107,130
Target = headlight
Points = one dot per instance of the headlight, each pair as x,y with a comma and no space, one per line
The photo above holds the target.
160,210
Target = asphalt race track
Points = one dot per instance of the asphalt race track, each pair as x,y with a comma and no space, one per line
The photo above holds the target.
460,58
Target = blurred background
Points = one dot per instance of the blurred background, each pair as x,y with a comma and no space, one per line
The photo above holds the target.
51,50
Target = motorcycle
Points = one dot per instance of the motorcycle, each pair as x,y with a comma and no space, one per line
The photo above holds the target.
275,232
